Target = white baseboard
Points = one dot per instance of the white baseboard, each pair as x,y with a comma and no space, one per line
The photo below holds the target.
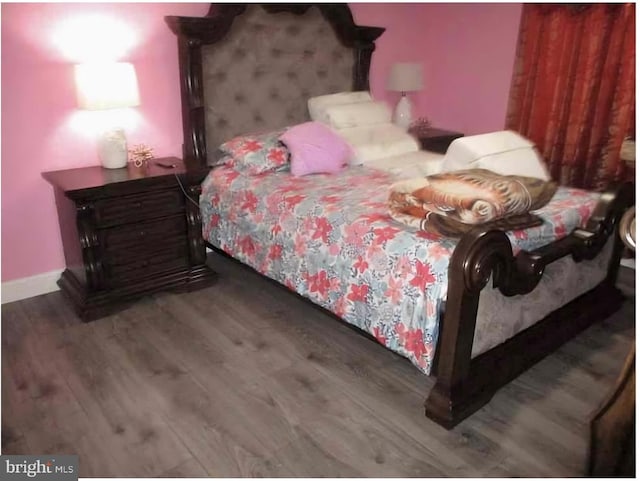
30,286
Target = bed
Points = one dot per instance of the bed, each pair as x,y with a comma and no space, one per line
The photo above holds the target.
474,312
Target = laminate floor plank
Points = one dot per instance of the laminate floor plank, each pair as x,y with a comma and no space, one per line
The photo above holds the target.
179,393
242,345
191,468
156,385
14,394
223,446
13,438
242,379
51,419
226,372
15,446
462,450
318,407
531,435
379,386
114,404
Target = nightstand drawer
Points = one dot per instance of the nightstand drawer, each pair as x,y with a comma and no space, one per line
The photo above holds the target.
143,235
135,208
122,268
131,253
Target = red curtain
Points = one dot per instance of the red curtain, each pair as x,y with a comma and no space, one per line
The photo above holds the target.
573,89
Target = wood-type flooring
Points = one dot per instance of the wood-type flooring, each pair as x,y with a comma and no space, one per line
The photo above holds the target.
245,379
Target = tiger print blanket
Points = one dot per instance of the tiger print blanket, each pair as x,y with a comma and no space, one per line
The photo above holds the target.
452,203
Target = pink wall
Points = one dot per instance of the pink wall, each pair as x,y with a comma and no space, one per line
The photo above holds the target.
467,51
402,41
40,120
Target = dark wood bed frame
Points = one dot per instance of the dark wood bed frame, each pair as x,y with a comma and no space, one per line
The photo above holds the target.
463,385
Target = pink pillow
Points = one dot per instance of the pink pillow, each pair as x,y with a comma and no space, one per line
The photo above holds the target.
314,148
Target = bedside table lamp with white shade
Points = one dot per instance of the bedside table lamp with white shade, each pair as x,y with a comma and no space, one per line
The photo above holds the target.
404,77
102,86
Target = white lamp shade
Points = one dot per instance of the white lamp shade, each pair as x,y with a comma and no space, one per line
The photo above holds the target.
101,86
405,77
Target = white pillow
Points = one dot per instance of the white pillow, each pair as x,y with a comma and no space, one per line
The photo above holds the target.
409,165
373,142
358,114
317,105
504,152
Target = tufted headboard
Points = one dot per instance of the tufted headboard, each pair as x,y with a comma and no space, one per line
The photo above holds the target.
249,68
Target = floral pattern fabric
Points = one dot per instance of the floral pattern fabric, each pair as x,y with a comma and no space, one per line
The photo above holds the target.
329,238
257,153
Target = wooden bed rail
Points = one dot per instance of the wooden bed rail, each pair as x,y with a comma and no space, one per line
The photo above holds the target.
464,384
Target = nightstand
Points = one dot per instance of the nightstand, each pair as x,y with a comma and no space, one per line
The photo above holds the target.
435,140
129,232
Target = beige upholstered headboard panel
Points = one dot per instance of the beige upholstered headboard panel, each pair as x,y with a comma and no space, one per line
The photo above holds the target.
261,74
251,68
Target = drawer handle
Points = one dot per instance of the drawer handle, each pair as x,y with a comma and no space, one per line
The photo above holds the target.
142,233
138,204
144,263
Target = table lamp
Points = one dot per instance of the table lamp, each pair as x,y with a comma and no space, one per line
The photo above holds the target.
102,86
404,77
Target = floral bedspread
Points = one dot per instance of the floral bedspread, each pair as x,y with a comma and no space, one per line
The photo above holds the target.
330,238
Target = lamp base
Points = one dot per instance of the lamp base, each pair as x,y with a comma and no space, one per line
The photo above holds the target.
112,149
402,115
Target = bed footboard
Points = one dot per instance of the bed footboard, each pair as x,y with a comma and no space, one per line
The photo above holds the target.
463,384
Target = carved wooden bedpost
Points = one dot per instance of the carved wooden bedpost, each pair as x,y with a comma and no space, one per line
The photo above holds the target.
192,33
463,384
479,254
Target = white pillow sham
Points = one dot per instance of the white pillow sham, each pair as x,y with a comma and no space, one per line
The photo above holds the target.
504,152
358,114
373,142
410,165
318,105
